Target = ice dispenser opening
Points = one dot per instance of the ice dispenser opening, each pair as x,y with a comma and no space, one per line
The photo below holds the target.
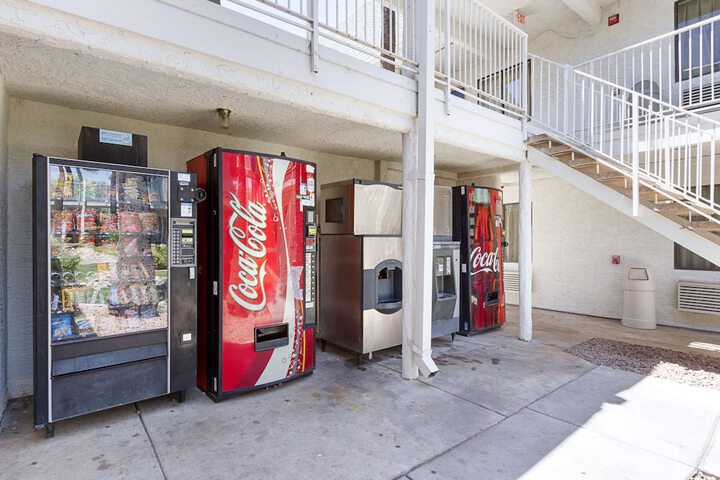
271,336
388,286
444,281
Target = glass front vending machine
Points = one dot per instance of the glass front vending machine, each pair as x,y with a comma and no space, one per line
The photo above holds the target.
114,286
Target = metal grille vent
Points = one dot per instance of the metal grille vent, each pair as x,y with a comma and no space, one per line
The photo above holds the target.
699,297
701,94
512,281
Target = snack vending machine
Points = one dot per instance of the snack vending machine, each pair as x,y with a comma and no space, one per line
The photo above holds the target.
114,286
257,260
478,226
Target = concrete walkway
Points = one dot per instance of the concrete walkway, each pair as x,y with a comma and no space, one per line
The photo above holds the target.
498,409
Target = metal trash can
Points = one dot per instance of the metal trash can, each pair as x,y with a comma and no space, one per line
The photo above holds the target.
639,299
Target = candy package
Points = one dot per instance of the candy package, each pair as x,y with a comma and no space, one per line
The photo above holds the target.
61,325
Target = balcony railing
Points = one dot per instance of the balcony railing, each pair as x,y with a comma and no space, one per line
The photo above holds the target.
681,67
376,31
480,56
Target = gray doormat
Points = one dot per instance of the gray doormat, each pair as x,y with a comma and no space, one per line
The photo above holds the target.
690,368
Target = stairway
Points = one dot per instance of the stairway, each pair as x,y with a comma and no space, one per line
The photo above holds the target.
694,231
612,142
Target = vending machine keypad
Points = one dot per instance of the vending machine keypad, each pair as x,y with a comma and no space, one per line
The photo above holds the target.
310,265
183,243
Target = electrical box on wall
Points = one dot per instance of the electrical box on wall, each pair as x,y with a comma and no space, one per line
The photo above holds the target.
613,19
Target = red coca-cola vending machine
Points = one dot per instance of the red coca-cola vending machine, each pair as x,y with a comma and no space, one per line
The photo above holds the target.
478,226
256,275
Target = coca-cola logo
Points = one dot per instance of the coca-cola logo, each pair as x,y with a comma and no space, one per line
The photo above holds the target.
249,291
484,261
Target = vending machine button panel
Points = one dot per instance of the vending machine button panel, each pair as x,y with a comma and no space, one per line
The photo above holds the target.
183,240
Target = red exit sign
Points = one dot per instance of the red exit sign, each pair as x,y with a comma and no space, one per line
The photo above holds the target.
613,19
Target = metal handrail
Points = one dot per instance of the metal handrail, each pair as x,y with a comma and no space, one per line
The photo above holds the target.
681,67
653,143
673,33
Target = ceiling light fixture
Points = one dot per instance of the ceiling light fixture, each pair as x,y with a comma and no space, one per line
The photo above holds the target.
224,117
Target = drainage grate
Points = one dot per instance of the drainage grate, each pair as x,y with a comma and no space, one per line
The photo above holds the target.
699,297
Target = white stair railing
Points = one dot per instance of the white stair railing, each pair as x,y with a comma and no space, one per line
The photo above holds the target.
681,67
480,57
657,145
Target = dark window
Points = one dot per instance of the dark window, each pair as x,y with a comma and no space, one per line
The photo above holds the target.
697,51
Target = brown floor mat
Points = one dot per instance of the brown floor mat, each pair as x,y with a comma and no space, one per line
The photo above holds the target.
689,368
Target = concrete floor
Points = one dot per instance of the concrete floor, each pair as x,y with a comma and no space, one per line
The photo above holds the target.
498,409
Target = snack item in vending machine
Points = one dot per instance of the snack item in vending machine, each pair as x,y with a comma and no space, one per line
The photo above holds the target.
149,222
130,222
68,186
148,311
62,221
108,222
85,221
61,325
85,327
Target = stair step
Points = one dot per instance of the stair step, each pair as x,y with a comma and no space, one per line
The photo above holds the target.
706,225
610,175
582,162
558,150
675,208
538,140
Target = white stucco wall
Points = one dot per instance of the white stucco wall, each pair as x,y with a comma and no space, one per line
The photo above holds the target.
574,238
53,130
3,242
577,42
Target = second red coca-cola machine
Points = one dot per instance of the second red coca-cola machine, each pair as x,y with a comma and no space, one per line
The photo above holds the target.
478,226
256,275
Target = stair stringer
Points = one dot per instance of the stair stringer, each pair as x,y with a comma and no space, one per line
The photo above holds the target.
651,219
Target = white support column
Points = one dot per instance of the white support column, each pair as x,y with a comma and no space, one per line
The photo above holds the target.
525,253
418,184
3,242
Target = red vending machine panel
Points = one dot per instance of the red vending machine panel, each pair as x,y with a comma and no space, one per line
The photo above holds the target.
478,226
259,247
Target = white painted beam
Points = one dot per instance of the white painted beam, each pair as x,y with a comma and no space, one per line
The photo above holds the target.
525,250
588,10
418,184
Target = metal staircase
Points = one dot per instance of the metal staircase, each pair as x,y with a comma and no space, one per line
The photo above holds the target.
654,160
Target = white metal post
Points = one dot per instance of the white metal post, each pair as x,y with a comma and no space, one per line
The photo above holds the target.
314,34
418,184
525,253
447,57
635,145
566,111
